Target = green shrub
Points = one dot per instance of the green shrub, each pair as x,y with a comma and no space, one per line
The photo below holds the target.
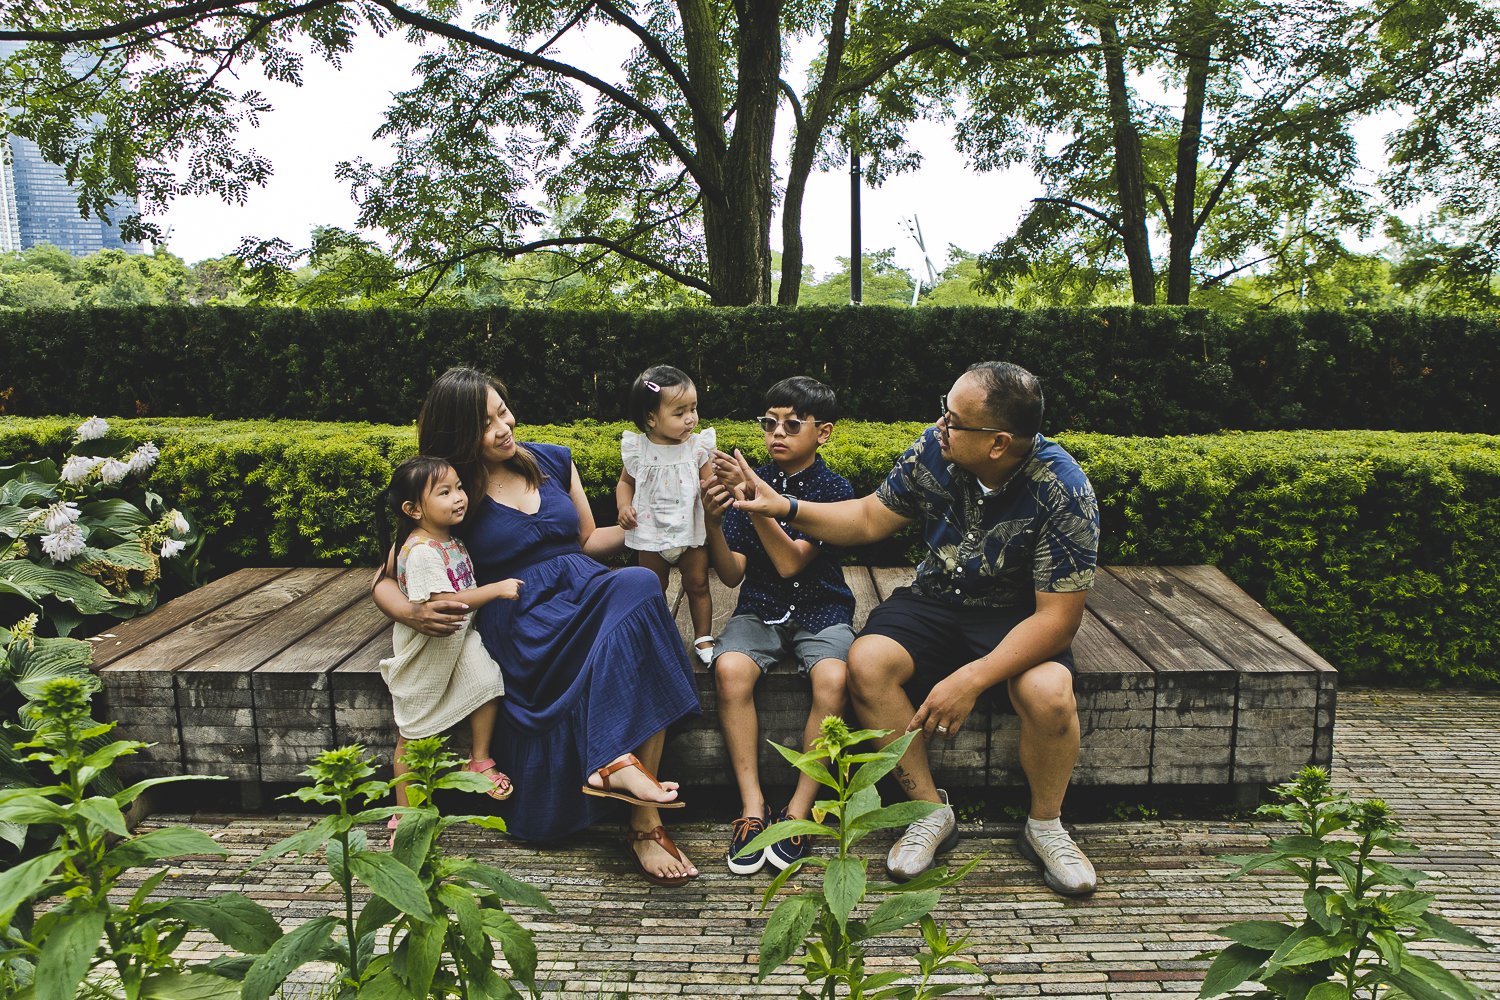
1381,549
1118,370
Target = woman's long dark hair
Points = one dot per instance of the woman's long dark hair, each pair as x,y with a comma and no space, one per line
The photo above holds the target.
410,482
451,426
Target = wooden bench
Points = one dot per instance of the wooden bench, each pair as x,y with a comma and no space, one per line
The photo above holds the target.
1183,679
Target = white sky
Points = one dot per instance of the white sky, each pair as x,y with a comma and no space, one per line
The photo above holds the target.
335,113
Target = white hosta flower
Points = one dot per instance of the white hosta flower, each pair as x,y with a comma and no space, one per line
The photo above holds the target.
112,471
143,458
64,543
170,547
78,468
92,429
59,515
178,523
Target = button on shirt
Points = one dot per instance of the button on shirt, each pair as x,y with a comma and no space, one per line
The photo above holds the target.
817,598
1039,531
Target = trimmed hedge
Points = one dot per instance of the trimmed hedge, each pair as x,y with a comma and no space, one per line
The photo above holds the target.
1120,371
1381,549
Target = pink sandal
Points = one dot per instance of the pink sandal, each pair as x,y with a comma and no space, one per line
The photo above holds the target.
500,785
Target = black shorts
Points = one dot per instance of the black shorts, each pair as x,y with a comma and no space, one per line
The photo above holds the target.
941,637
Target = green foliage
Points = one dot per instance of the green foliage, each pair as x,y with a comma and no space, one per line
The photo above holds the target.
1378,548
884,283
28,664
823,918
433,922
89,541
45,277
122,948
1362,912
1111,370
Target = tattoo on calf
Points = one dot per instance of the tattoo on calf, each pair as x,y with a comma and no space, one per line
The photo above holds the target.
907,782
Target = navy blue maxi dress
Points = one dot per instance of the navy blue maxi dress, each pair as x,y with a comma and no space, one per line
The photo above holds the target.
592,661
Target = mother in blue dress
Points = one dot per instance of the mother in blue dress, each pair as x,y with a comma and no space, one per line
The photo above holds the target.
594,668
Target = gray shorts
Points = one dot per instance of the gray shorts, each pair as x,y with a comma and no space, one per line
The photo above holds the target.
765,644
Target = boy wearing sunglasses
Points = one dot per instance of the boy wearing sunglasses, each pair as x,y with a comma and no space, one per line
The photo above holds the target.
793,601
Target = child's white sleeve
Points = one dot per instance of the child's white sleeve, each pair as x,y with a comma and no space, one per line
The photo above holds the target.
707,443
426,573
630,452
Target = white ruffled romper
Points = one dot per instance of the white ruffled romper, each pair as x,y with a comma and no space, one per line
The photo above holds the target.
668,509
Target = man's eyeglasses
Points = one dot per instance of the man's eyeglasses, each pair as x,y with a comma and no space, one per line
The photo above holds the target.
793,425
950,424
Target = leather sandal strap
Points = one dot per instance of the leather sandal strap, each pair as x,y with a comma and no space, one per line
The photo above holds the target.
658,834
629,760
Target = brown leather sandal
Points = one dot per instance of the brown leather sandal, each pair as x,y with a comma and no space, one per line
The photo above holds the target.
658,834
605,792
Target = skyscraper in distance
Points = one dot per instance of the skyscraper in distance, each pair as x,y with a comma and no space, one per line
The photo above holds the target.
38,205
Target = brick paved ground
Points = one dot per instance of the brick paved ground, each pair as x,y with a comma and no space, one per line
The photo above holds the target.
1435,757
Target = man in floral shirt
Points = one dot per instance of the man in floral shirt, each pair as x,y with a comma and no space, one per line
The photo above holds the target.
1011,527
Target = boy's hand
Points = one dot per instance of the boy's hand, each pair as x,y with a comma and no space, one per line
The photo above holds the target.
727,469
508,590
753,496
716,499
627,517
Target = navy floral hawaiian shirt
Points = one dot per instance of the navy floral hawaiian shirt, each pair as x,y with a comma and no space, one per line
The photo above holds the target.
817,598
1039,531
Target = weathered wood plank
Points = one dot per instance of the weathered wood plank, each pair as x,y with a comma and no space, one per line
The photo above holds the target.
200,635
866,594
1193,723
295,673
1211,581
1277,690
127,637
330,643
889,578
334,592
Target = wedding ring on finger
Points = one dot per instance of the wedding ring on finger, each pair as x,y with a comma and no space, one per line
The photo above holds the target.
943,730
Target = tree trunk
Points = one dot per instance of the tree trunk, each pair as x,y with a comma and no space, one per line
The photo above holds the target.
737,224
1130,169
1183,223
805,145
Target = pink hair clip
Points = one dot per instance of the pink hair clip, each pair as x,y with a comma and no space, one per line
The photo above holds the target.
652,386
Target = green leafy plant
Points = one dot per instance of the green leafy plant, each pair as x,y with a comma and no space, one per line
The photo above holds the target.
823,918
87,940
27,664
90,539
433,921
1362,912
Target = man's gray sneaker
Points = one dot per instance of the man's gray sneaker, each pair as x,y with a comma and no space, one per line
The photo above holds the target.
913,852
1065,869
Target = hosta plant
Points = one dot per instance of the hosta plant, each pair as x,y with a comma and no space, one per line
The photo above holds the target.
1362,911
65,928
433,921
89,539
822,917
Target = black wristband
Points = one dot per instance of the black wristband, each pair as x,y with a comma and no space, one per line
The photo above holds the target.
791,511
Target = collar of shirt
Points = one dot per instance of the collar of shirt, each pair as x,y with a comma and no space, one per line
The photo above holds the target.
986,492
781,482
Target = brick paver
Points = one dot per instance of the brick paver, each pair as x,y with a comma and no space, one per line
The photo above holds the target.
1435,757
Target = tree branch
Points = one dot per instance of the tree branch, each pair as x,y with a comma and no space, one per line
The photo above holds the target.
1114,226
191,10
791,96
673,69
658,124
